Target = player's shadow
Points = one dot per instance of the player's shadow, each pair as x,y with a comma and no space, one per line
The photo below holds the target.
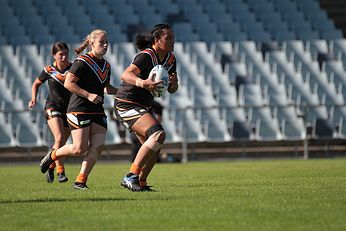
45,200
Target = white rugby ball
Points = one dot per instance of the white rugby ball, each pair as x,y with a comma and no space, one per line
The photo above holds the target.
156,74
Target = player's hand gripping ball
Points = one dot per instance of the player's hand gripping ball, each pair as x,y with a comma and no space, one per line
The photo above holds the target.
159,73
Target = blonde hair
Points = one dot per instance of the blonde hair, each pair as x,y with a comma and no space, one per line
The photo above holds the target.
89,39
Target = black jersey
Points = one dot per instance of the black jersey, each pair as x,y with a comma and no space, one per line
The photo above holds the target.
94,75
145,61
58,96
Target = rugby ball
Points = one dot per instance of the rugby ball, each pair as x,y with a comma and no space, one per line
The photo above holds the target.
156,74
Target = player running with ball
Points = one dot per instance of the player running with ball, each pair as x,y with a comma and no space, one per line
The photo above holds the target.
134,99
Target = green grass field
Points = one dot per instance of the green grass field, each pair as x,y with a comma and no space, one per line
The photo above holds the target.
231,195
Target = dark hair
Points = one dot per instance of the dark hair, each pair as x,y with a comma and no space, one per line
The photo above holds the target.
158,29
146,39
58,46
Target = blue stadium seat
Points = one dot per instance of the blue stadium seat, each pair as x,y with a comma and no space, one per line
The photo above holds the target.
16,78
342,128
3,40
336,74
30,55
124,52
6,133
125,15
165,7
268,130
213,126
241,130
112,135
187,125
251,95
292,125
323,128
6,12
184,32
219,48
337,113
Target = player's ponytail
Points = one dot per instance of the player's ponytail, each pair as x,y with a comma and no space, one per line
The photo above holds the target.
144,40
84,45
90,38
147,39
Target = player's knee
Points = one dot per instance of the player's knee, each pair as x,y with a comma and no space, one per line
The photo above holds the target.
95,152
155,140
78,151
161,137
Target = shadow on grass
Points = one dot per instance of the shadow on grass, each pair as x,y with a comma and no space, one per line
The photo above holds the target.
63,200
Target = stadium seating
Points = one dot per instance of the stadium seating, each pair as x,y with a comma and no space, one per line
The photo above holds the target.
249,69
6,133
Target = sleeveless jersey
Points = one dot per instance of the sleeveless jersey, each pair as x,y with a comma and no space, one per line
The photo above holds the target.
58,96
94,75
145,61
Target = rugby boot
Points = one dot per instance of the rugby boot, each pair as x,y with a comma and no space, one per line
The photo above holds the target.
62,177
147,188
46,162
80,186
131,181
50,175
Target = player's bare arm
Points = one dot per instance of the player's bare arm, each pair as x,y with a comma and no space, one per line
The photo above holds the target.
71,84
110,89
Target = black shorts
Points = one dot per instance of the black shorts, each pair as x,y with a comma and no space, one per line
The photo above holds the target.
53,112
129,113
77,120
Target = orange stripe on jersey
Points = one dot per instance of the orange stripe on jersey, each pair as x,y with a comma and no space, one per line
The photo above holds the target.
55,74
152,55
49,69
102,74
131,102
171,59
60,77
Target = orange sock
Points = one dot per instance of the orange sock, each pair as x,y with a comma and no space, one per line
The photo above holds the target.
52,166
60,169
135,169
53,156
142,182
82,178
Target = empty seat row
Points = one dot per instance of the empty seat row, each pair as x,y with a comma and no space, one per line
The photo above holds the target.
26,22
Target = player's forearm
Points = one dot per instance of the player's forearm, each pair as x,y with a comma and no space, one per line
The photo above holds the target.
75,89
110,89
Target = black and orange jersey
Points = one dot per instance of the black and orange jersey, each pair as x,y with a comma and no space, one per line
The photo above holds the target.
58,96
93,75
145,61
